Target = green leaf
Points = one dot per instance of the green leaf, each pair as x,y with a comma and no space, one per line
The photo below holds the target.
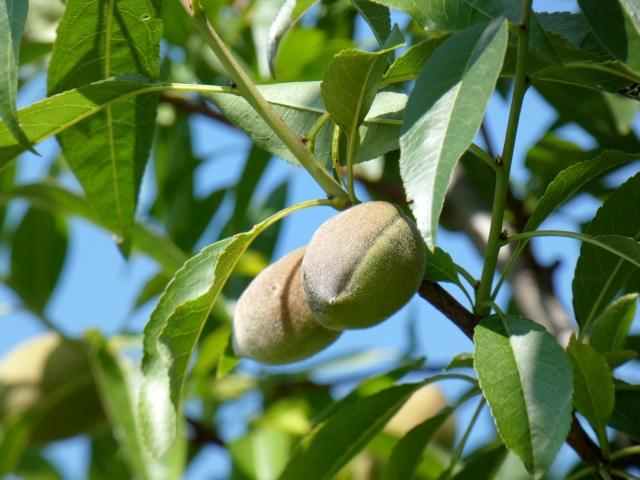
409,65
15,432
53,198
13,15
38,251
369,387
33,466
456,16
171,335
300,105
484,463
574,27
527,380
593,390
616,358
405,456
107,461
461,360
118,405
349,87
610,329
444,112
569,181
377,16
257,162
440,267
616,23
262,453
626,412
600,274
41,120
108,151
331,445
154,286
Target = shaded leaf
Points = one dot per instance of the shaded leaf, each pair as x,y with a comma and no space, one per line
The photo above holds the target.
444,112
33,466
107,458
600,274
527,380
261,454
154,287
405,456
408,65
569,181
593,391
574,27
256,163
377,16
301,106
331,445
13,15
440,267
38,251
616,23
15,432
109,150
616,358
610,329
626,412
461,360
484,463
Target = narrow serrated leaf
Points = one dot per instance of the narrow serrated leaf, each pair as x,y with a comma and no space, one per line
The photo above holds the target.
13,15
626,412
601,274
108,151
527,380
461,360
331,445
171,335
593,391
610,329
616,23
349,86
408,65
569,181
444,112
616,358
300,105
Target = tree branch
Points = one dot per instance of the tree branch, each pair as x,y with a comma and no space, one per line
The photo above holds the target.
449,307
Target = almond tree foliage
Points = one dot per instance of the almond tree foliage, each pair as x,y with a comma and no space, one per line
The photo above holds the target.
307,93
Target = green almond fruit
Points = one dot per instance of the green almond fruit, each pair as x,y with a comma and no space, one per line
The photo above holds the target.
362,266
272,322
50,377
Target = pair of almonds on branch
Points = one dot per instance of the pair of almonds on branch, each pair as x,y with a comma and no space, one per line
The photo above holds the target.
360,267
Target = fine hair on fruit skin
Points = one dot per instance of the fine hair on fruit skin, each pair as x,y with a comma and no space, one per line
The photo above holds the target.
272,322
362,266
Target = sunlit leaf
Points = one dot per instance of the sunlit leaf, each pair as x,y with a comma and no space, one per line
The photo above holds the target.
569,181
109,150
377,16
527,380
409,64
440,267
444,113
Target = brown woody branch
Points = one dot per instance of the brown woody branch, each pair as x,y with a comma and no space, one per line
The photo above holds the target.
200,107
